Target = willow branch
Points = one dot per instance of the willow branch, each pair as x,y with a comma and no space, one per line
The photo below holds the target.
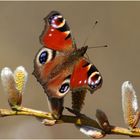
46,115
123,131
14,84
66,119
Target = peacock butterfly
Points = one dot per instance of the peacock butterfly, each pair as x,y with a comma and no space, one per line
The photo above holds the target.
60,66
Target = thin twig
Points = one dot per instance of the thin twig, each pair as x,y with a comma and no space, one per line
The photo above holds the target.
123,131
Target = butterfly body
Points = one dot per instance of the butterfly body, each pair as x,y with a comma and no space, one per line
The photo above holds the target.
61,67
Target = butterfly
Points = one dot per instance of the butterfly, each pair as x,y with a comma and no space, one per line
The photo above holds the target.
60,67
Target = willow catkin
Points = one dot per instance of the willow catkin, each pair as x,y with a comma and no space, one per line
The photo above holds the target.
14,84
91,131
9,86
20,76
129,103
7,80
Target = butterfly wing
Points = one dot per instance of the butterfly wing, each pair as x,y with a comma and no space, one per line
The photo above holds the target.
51,62
54,71
85,77
56,34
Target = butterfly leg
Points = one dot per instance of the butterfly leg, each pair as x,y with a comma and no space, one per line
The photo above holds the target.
56,106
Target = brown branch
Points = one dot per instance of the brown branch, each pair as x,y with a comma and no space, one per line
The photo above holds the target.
18,110
66,119
123,131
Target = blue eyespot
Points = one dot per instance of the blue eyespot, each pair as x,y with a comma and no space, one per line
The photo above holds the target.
43,57
64,88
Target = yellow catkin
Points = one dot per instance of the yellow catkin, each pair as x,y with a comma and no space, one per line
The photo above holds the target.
130,112
129,103
20,80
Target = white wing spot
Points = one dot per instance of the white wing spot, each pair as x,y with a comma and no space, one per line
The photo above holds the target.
50,34
52,30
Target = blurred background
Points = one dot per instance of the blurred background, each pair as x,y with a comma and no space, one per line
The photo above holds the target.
21,24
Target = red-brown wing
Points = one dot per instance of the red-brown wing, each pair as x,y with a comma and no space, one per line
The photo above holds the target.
85,75
57,34
56,89
54,78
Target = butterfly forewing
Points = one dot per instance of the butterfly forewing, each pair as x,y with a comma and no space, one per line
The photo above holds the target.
56,34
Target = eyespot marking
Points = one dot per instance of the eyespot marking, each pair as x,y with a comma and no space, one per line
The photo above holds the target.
45,55
65,87
56,20
94,78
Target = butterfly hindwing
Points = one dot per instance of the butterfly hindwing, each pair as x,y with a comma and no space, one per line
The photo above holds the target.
54,79
85,75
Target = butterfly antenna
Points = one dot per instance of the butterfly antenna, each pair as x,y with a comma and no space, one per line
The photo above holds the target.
103,46
94,25
87,57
